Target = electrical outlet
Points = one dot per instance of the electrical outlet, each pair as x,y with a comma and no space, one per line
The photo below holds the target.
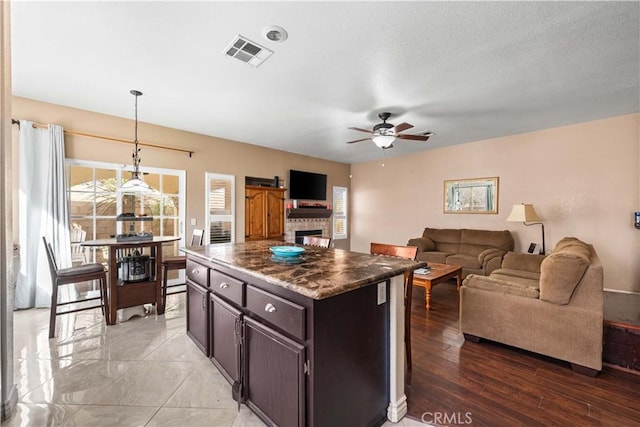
194,222
382,293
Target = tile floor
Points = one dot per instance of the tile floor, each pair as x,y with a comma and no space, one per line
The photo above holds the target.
142,372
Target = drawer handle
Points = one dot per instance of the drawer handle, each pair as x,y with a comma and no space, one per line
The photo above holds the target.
195,271
224,285
270,308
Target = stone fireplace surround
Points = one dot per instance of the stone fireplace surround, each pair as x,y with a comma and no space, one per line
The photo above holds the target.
293,225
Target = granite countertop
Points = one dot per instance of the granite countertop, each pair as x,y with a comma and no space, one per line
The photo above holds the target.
321,273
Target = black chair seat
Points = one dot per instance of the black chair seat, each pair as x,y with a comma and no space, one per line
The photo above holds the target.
80,270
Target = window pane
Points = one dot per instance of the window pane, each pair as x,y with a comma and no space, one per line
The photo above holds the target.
79,175
105,228
171,227
80,204
171,249
221,208
151,204
170,205
152,180
106,204
220,232
339,213
170,184
84,223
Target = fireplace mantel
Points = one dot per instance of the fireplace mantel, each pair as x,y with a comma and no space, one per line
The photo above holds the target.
294,213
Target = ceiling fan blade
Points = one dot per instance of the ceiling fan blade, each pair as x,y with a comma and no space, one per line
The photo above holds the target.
361,130
403,126
414,137
358,140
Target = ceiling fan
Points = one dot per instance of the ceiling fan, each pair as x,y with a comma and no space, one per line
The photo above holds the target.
384,134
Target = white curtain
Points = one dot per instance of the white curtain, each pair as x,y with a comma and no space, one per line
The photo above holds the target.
44,211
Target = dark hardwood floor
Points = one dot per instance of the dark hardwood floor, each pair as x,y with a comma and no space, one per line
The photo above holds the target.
457,382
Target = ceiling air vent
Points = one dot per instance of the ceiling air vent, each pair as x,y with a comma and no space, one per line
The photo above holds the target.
247,51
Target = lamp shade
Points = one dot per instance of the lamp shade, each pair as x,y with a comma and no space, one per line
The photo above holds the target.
383,141
523,213
135,185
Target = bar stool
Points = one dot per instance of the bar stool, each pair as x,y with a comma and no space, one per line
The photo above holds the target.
72,275
178,263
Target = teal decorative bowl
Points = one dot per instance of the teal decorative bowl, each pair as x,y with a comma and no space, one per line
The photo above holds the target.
286,251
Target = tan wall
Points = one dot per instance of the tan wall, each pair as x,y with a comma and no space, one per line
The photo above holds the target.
584,181
210,154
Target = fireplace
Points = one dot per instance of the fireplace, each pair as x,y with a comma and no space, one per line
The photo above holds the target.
301,233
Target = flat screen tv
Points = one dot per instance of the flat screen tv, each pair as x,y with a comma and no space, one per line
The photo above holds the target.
307,185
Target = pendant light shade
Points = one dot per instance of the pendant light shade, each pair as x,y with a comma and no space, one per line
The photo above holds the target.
136,184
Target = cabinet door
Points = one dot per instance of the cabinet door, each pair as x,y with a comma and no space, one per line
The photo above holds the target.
274,375
225,338
254,214
275,214
197,315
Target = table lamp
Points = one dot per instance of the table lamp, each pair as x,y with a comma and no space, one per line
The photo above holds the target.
525,213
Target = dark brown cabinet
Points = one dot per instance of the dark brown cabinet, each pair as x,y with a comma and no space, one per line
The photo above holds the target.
274,375
225,338
197,315
293,360
198,304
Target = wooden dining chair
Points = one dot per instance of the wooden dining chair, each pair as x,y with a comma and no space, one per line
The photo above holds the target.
321,242
178,262
408,252
73,275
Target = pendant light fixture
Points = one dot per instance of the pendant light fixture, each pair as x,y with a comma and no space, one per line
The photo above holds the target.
136,184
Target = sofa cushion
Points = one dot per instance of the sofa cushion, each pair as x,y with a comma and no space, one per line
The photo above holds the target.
433,256
532,282
424,244
446,240
473,242
464,261
522,262
502,286
561,271
512,272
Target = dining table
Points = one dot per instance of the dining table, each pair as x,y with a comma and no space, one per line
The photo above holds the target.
123,293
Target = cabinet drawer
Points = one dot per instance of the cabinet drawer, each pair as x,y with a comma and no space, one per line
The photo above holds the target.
284,314
198,273
227,286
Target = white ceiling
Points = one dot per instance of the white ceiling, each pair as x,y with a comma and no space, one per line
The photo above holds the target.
465,70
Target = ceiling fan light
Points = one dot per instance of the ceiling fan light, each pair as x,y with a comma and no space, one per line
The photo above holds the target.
383,141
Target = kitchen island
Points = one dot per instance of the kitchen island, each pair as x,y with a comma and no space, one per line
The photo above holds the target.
316,341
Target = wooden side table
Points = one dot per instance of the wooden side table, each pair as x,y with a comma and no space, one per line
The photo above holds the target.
439,273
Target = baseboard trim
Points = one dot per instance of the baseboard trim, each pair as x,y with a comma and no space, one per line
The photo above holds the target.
621,369
397,410
620,291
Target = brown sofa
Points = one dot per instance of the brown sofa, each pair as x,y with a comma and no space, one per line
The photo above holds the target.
476,251
551,305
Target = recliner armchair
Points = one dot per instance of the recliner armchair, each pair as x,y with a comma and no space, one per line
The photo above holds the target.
551,305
